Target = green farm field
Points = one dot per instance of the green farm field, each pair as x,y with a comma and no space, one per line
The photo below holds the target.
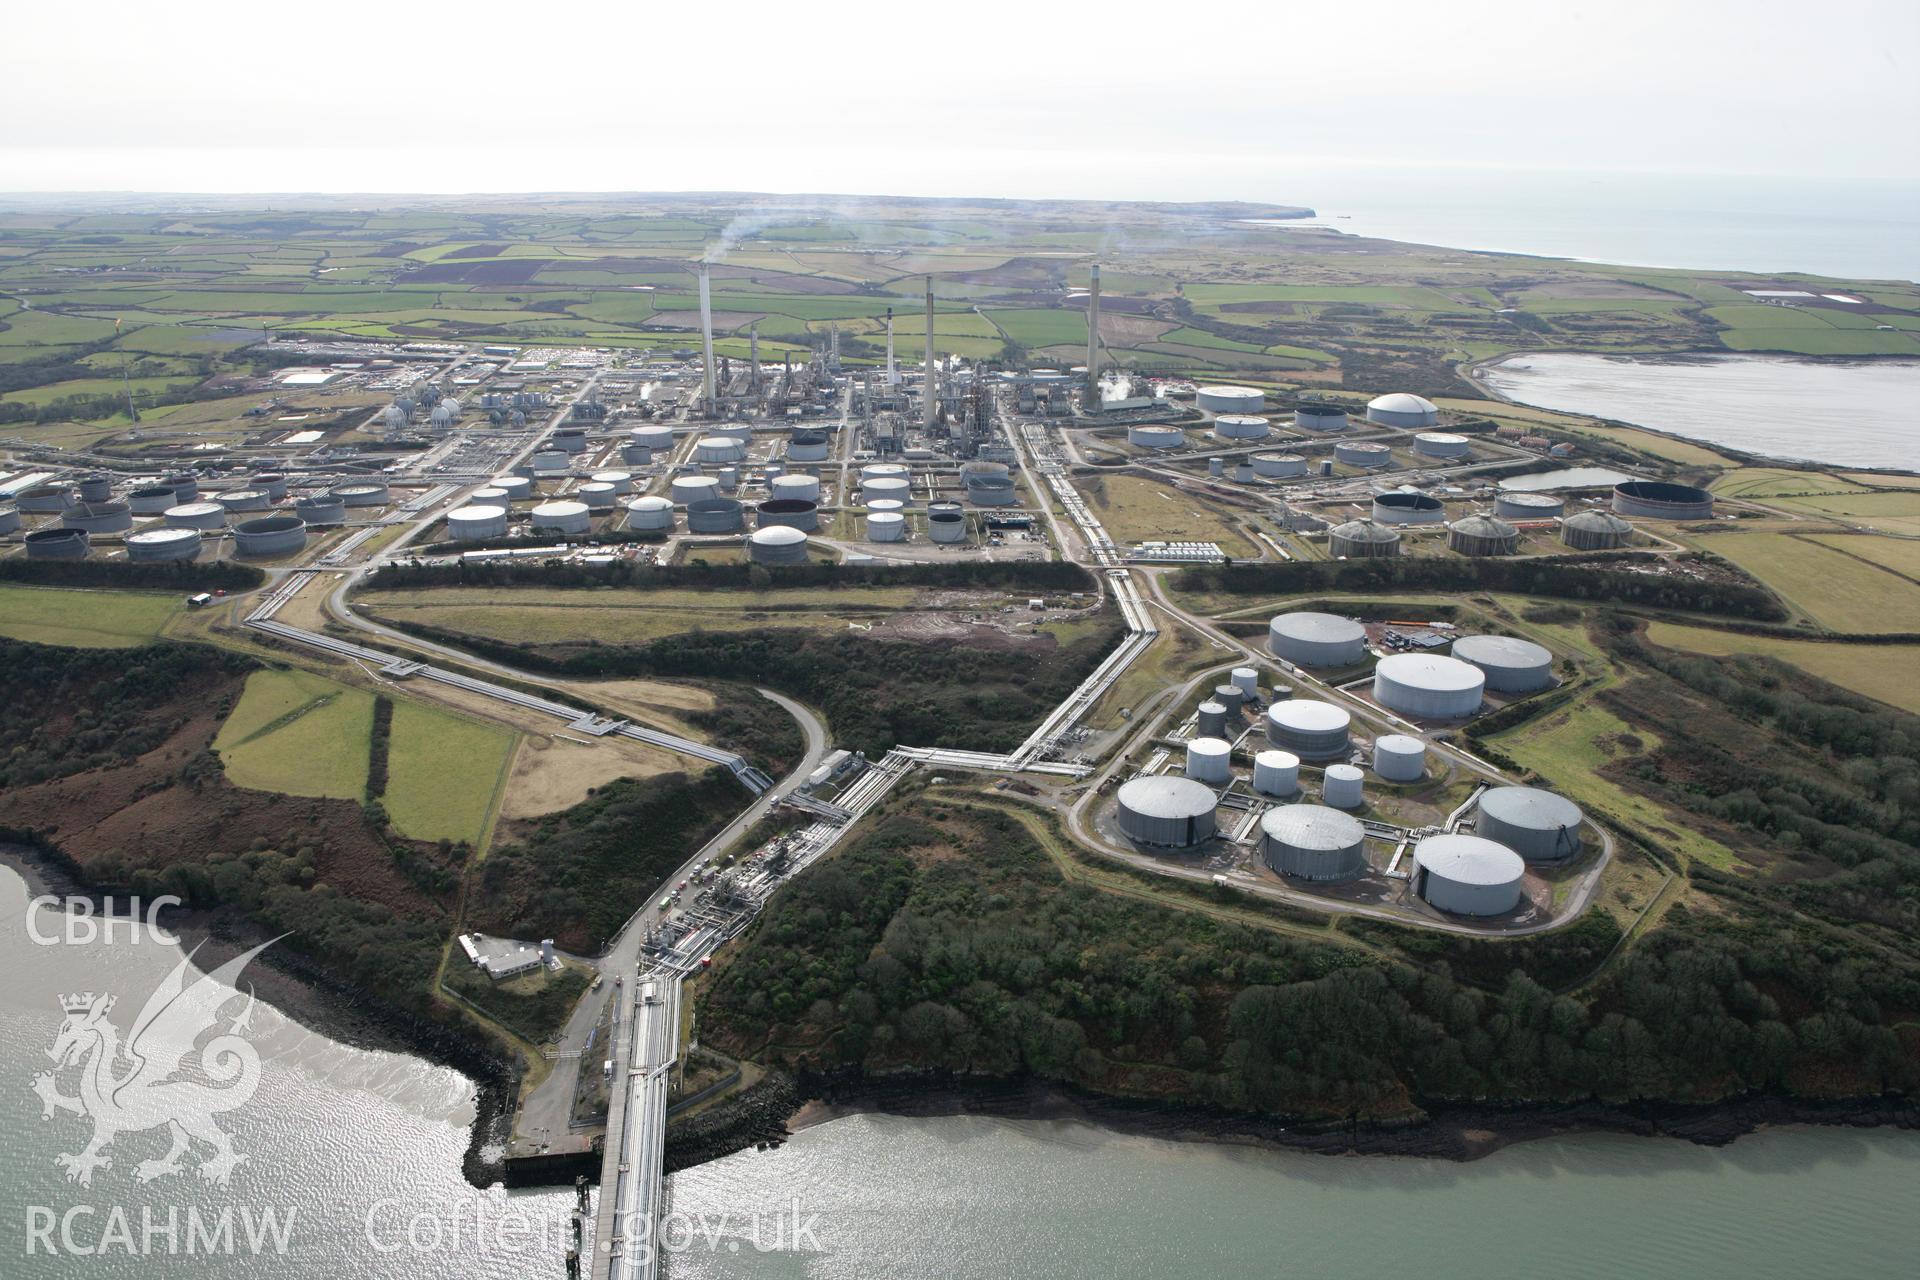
1838,590
1882,672
444,773
84,619
299,734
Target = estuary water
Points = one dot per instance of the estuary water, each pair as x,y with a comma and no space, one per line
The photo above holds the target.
1859,413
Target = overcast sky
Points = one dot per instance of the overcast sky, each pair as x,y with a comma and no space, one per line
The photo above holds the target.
1196,101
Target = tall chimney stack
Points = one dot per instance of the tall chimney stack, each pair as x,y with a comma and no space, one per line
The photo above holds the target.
932,392
710,398
1093,342
893,378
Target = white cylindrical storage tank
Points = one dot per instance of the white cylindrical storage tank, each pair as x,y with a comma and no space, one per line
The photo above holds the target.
636,455
1240,426
946,524
1167,812
197,515
597,494
569,440
691,489
893,504
323,508
1276,773
1468,876
562,516
884,471
1511,665
794,513
715,515
1363,453
185,485
1441,444
1428,685
550,462
163,544
1538,825
622,481
1150,436
1210,721
9,520
654,438
808,446
886,526
1519,505
98,517
777,544
243,500
95,486
797,486
56,544
1401,409
1342,786
489,495
1232,400
1363,540
893,487
1317,639
515,487
269,536
650,514
1247,681
1397,757
472,523
1594,531
363,493
1279,466
1242,472
273,482
1313,842
1310,729
773,470
149,500
729,479
1313,415
718,449
1405,507
1216,466
737,431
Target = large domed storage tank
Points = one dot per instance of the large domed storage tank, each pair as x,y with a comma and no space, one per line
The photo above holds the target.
808,446
1240,426
1279,466
56,544
197,515
1538,825
1483,536
515,487
1512,665
1398,757
715,515
1363,540
1658,500
151,545
1317,639
1231,400
1428,685
563,516
1441,444
1313,842
1276,773
886,526
1402,507
1343,786
1595,531
1363,454
269,536
717,449
1402,409
1313,415
1309,729
687,490
650,514
777,544
1468,875
322,508
1167,812
1154,436
622,481
1209,760
797,486
98,517
794,513
472,523
1519,505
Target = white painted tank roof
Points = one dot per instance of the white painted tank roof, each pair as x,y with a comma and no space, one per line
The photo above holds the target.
778,535
1168,797
1469,860
1307,716
1312,826
1403,402
1502,651
1323,628
1431,671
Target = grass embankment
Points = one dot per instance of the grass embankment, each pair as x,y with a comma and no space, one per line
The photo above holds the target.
84,619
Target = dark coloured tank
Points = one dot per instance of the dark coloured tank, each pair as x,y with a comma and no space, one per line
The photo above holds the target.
1660,500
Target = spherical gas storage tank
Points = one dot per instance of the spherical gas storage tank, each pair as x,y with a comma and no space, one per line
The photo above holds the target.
1276,773
185,485
363,493
1313,842
1343,787
1595,531
1482,536
1658,500
1468,875
716,515
323,508
45,498
622,481
1538,825
569,439
95,486
1429,685
98,517
1363,540
650,514
1247,681
562,516
894,487
1240,426
148,500
1441,444
808,446
1318,415
1401,507
1519,505
1363,453
690,489
9,520
655,438
57,544
515,487
269,536
1402,409
241,501
1512,665
1233,400
1279,466
1152,436
472,523
795,485
1317,639
716,449
152,545
1310,729
793,513
197,515
1399,758
777,544
272,482
1209,760
886,526
946,522
1210,720
1167,812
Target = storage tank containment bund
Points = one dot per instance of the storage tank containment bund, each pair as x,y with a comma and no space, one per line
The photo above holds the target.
1317,639
1511,665
269,536
1276,773
1468,875
1399,758
150,545
562,516
1313,842
1167,812
1309,729
1538,825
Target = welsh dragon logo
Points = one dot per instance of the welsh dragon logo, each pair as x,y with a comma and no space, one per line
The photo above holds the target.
161,1076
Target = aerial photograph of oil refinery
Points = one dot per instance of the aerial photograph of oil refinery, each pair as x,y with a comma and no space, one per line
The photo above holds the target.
1279,672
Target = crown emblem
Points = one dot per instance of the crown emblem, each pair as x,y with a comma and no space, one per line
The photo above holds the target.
77,1003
